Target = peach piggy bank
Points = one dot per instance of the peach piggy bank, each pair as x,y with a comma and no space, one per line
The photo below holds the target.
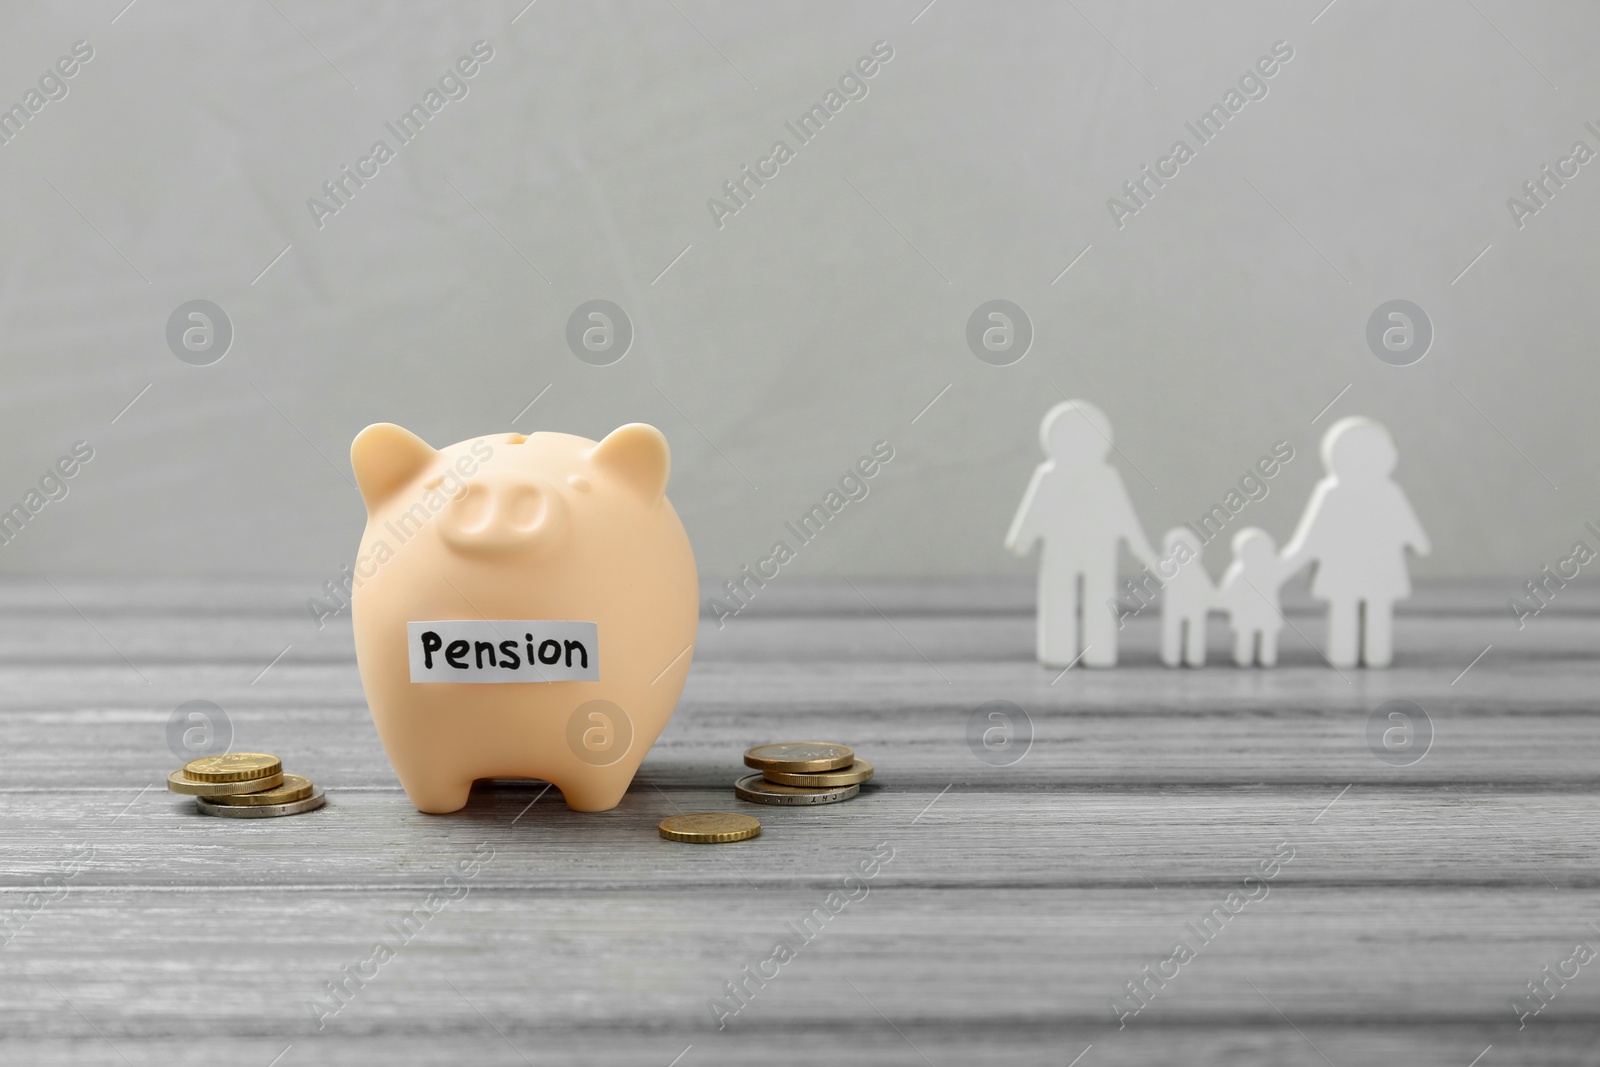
524,607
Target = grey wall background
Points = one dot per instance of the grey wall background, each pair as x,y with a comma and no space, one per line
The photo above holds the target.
831,310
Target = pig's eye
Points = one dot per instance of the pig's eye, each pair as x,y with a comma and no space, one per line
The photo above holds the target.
434,482
524,507
578,482
474,508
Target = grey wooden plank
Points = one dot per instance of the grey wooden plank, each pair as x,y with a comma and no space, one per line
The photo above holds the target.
1066,838
145,963
1529,725
1003,1043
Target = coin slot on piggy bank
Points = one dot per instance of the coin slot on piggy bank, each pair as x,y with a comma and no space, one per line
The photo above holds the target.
507,586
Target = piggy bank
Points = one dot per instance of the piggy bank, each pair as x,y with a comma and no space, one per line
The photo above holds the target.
524,607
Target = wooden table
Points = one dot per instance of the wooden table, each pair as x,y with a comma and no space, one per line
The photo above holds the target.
1018,904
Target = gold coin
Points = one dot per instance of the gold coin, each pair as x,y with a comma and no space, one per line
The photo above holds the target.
758,790
710,827
232,767
179,782
858,772
292,788
805,757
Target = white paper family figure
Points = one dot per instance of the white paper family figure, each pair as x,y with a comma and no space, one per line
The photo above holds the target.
1355,530
1249,594
1078,510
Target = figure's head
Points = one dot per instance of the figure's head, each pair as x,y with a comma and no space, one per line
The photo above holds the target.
1075,433
1180,535
1254,547
1358,449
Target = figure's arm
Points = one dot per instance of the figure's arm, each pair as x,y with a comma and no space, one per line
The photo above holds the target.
1133,530
1414,534
1229,580
1281,572
1024,529
1303,547
1143,550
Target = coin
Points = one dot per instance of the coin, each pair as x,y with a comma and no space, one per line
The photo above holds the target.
858,772
710,827
292,788
261,811
232,767
758,790
179,782
806,757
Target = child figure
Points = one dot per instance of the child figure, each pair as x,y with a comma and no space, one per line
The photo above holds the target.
1187,597
1249,594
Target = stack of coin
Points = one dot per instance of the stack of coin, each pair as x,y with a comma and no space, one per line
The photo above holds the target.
245,785
802,772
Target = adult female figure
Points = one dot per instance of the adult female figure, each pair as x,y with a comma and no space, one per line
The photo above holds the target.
1356,529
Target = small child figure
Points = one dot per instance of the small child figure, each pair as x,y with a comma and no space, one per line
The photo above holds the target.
1187,597
1249,594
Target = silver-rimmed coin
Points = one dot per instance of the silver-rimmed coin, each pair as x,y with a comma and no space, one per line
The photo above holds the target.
261,811
179,782
758,790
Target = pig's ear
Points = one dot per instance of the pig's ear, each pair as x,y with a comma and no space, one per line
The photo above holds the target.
385,457
637,454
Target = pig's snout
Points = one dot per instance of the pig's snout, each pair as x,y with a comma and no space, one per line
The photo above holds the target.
504,515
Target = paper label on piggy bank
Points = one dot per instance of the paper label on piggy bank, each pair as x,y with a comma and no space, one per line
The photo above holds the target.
504,650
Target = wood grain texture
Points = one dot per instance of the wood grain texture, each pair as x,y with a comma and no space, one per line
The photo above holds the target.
1019,902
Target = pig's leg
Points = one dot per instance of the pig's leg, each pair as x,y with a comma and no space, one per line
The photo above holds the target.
436,791
430,769
592,795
